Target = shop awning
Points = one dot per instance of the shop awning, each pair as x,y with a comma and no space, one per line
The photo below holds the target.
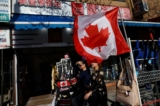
140,24
23,21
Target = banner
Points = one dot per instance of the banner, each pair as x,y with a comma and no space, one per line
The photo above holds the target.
125,12
42,7
77,9
80,8
4,10
4,38
59,8
93,8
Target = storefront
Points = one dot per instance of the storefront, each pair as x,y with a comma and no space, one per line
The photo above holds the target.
36,49
41,36
35,52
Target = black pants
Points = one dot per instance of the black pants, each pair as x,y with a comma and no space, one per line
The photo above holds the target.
78,100
98,99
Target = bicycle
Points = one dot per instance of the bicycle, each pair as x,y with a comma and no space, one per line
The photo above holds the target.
108,74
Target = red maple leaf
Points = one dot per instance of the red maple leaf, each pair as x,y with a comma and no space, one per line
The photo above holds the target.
96,38
63,83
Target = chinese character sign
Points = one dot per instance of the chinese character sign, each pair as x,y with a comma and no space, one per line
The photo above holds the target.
42,7
125,12
62,8
4,10
88,9
40,3
77,9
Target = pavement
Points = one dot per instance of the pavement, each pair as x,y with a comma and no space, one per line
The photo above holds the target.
111,91
42,100
46,100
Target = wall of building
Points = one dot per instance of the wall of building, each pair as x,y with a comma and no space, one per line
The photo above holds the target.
154,10
106,2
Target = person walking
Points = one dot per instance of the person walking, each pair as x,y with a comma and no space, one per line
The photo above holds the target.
97,96
82,84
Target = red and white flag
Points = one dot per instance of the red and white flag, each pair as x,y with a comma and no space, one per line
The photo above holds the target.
98,36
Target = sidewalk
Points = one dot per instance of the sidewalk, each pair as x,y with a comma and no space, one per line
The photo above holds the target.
111,90
42,100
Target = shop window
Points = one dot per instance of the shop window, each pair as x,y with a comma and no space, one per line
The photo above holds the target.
111,69
32,2
49,3
22,2
41,2
54,35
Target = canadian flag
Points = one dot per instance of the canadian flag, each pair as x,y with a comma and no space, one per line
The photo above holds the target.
63,84
98,36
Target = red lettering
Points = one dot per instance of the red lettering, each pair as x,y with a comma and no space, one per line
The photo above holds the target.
41,3
56,4
22,2
32,2
49,3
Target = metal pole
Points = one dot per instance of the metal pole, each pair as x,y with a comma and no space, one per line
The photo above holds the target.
120,62
11,81
131,56
2,77
15,82
124,29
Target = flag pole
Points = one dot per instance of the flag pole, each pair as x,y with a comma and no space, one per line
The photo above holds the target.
131,56
124,29
134,69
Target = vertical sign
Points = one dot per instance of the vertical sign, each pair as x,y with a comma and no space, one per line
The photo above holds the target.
140,6
4,10
4,38
77,9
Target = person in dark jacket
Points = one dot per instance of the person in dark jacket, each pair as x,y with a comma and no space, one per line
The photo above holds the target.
82,84
97,96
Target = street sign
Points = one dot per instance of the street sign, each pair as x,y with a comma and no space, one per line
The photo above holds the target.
4,10
4,17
